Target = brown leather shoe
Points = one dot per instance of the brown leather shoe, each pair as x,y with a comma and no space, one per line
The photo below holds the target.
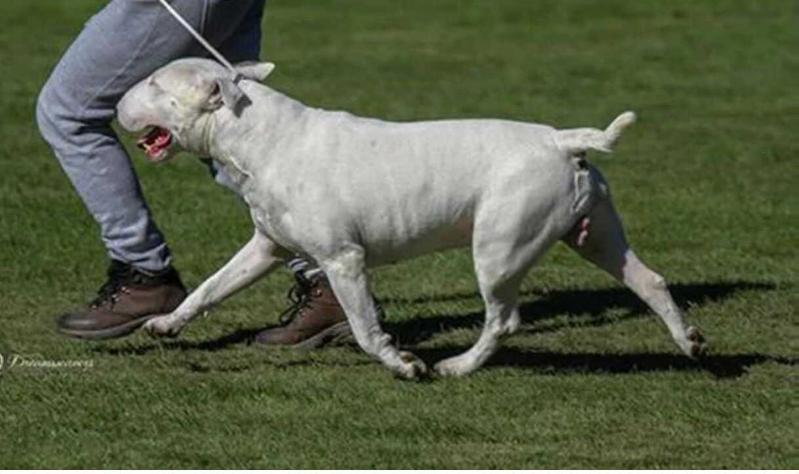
126,301
315,317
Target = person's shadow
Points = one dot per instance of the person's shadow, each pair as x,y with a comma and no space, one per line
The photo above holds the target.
588,308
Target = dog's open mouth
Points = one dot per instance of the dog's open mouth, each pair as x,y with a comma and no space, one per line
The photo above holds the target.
156,143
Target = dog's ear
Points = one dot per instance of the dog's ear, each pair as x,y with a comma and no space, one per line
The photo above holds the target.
226,92
254,70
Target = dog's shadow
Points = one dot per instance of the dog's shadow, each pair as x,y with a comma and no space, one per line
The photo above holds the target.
722,366
585,308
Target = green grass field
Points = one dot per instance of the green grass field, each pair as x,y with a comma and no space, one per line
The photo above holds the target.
706,181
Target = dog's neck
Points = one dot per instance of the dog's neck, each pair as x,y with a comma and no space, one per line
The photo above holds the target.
226,136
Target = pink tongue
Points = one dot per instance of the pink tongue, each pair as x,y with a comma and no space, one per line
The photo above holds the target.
154,134
155,141
162,138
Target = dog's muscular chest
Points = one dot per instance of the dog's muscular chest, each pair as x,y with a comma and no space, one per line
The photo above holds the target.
271,220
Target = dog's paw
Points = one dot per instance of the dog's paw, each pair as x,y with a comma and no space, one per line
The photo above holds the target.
696,346
162,326
457,366
411,367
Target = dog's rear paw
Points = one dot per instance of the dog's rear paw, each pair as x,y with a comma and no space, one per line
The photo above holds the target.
697,346
457,366
162,326
411,367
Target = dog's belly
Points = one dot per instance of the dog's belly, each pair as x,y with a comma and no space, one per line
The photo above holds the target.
386,238
383,248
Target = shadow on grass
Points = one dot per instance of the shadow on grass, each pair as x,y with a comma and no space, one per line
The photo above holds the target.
588,308
556,363
238,336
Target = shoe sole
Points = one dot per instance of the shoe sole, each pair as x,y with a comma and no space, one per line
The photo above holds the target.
107,333
336,333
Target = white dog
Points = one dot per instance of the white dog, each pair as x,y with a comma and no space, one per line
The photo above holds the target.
351,193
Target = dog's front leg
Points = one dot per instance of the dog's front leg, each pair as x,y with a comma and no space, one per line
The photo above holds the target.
347,275
259,256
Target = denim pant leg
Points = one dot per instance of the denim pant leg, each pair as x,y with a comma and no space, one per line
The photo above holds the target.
124,43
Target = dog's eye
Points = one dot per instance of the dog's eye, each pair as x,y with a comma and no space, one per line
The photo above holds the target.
215,90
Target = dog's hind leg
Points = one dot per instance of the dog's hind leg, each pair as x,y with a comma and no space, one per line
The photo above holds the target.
501,260
258,256
606,246
346,272
501,319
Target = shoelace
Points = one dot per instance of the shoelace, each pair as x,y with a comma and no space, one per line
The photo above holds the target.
300,297
118,275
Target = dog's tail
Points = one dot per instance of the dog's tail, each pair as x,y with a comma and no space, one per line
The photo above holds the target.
579,140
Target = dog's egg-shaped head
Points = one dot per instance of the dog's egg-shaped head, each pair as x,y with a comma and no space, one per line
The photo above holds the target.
172,100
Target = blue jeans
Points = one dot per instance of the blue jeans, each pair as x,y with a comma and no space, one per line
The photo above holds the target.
121,45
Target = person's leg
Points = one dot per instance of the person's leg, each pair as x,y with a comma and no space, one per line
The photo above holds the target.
118,47
242,43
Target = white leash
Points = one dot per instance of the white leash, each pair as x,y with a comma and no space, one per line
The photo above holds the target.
236,75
